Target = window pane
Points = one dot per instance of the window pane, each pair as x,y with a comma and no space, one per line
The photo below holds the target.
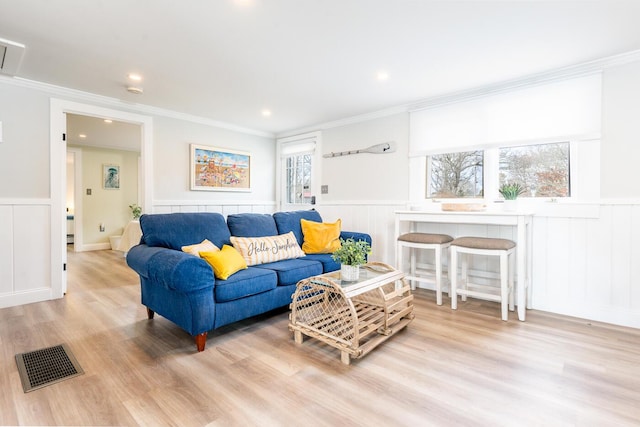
543,169
455,175
298,184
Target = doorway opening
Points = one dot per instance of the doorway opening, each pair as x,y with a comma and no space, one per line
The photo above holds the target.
97,204
59,111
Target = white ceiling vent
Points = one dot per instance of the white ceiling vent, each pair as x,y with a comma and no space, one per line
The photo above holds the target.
10,56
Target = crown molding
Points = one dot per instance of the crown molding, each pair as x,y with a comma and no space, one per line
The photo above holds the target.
583,69
347,121
78,95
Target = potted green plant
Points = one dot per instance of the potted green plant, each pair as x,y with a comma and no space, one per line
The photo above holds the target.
136,211
351,255
510,191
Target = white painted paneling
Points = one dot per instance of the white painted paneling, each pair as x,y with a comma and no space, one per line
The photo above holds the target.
620,256
32,237
599,257
6,249
25,256
634,255
557,260
577,263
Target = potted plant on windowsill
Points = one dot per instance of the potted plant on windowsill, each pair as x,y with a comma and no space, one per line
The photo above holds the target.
351,255
510,191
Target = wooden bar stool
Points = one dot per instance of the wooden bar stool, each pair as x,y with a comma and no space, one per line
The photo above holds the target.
503,248
435,242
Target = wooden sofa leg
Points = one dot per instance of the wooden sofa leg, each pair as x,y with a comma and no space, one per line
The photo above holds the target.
201,340
150,313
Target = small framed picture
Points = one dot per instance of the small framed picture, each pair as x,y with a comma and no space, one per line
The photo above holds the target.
219,169
111,177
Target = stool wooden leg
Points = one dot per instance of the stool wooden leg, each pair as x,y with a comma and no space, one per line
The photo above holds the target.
464,276
449,272
412,268
453,277
512,288
504,285
438,251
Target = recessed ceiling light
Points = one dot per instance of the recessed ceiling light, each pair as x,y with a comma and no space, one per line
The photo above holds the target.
108,121
382,75
135,77
82,135
135,89
266,113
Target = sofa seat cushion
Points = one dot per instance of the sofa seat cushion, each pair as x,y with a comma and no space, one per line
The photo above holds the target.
250,281
328,264
291,271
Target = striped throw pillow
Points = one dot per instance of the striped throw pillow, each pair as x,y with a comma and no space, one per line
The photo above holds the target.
261,250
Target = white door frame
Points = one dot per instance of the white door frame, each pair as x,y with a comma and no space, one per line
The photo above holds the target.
58,153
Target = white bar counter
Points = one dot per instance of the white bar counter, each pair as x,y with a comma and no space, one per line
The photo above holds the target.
523,222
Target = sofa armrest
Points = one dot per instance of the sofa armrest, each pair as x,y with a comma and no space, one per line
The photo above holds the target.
138,258
355,236
174,270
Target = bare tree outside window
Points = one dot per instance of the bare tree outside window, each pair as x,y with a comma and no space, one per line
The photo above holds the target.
454,175
298,173
542,169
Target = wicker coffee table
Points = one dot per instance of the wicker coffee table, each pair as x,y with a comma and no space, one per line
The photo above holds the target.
353,317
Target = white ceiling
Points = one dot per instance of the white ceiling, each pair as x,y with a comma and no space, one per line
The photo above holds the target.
308,61
98,133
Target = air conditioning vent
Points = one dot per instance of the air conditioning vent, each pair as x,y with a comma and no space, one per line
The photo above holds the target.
10,56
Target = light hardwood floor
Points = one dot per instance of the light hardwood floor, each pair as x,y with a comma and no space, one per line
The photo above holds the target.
447,368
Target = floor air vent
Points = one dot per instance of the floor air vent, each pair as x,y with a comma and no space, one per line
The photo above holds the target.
48,366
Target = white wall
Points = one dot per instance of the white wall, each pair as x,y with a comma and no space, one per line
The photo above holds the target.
171,162
367,176
621,132
24,154
108,207
25,184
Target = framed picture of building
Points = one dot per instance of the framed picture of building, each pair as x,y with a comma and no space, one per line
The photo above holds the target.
111,177
219,169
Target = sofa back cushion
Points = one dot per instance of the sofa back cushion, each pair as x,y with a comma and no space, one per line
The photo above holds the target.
176,230
252,225
290,221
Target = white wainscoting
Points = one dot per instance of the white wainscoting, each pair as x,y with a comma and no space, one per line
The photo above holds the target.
586,257
25,255
223,207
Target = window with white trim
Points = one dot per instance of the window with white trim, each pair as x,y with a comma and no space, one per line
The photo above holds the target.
298,169
455,175
543,170
298,179
544,136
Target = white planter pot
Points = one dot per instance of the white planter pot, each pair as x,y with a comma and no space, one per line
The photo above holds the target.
349,273
510,205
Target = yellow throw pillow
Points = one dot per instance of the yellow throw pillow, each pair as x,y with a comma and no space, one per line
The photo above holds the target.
261,250
320,237
225,262
204,246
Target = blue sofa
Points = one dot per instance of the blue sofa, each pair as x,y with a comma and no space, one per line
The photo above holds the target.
182,287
